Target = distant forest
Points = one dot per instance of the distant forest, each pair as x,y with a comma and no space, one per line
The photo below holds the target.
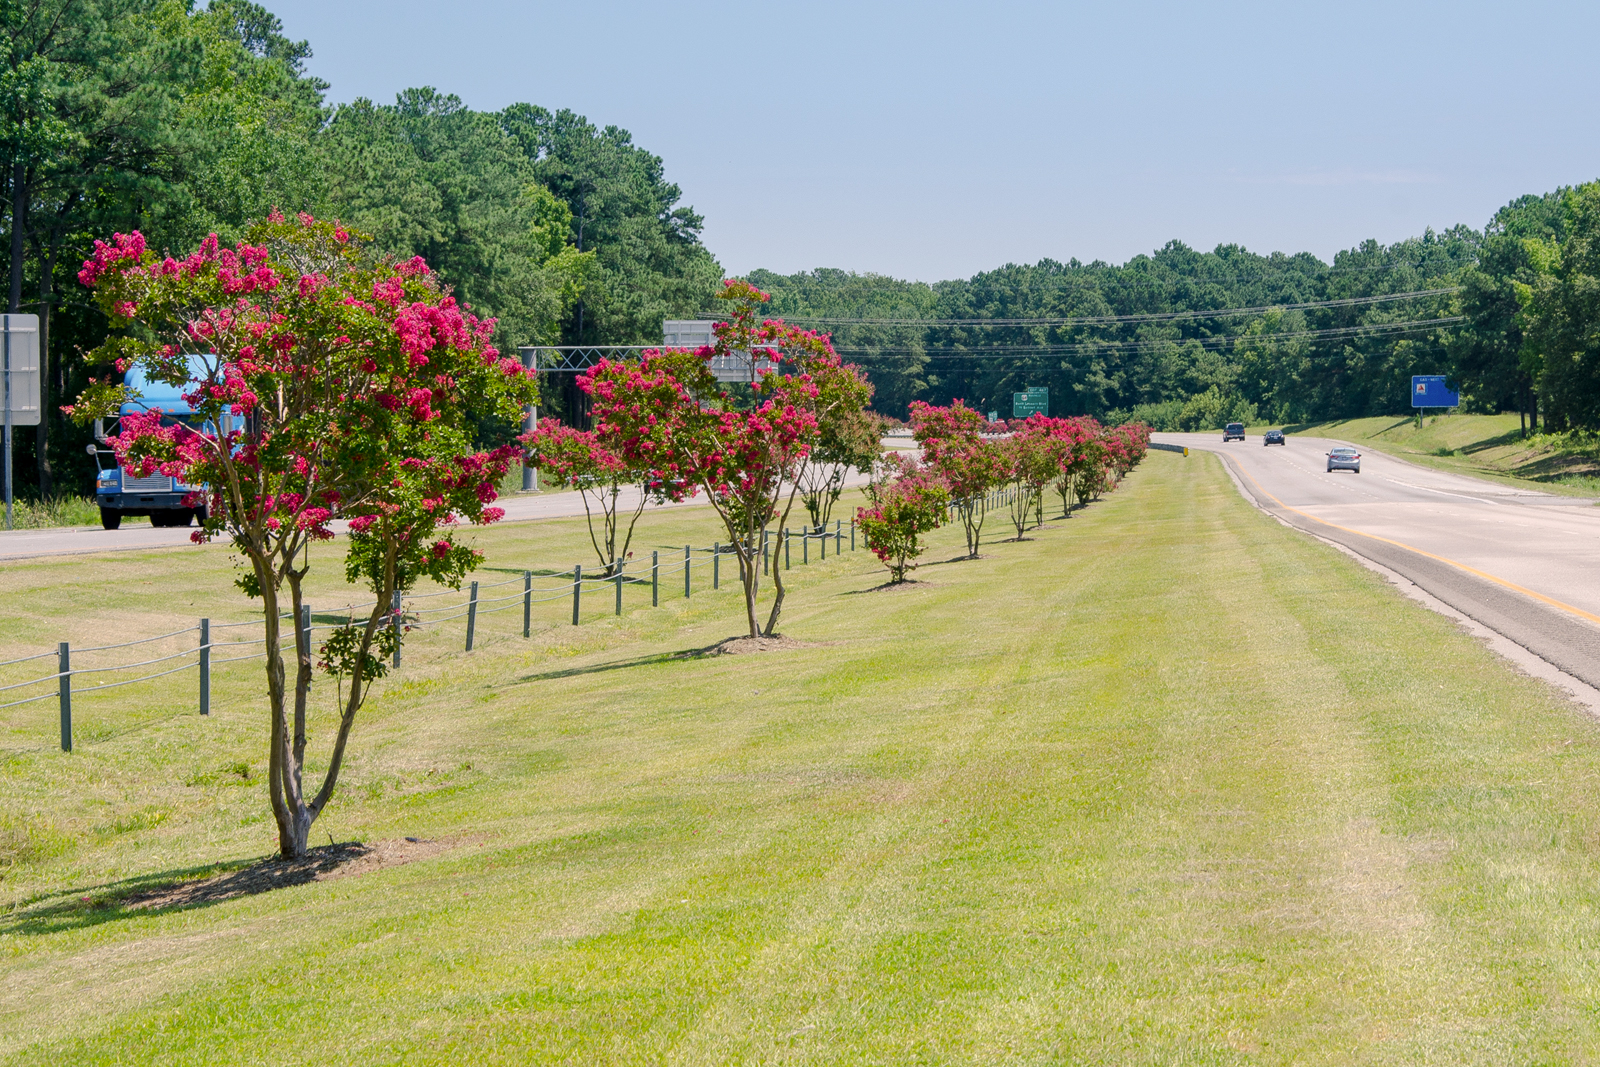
151,115
1171,364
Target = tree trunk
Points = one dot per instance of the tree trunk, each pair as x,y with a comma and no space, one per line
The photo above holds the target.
41,433
749,569
290,844
358,691
777,572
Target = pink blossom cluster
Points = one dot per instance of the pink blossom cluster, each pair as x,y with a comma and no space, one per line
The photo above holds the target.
123,246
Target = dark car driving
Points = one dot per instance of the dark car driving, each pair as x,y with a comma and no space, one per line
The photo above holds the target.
1234,431
1272,437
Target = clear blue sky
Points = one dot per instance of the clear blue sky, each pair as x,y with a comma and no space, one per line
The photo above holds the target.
933,140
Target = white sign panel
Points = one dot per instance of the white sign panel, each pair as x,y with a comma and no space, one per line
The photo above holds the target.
21,334
695,333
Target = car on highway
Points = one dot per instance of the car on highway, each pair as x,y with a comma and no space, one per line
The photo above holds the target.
1344,459
1234,431
1272,437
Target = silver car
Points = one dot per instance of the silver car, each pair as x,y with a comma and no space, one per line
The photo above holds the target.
1344,459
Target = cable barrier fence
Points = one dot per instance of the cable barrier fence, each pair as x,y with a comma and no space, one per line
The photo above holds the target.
549,597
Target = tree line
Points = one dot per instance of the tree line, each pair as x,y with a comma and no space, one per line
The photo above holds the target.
124,115
1510,315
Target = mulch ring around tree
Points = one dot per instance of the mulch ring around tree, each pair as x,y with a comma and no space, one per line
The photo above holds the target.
321,864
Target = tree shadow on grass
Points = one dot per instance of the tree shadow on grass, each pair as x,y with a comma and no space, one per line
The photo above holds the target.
611,665
909,584
955,559
192,887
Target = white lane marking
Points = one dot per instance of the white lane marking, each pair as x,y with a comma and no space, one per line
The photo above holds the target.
1445,492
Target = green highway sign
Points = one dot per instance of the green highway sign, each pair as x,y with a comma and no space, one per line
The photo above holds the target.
1034,400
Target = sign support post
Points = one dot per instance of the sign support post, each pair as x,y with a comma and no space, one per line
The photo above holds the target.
5,401
530,423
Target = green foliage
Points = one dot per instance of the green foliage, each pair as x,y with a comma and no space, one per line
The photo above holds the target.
649,262
347,653
430,177
1560,304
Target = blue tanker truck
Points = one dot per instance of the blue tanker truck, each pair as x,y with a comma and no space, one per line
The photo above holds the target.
117,491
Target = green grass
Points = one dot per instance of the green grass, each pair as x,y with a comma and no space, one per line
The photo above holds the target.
1485,446
58,511
1166,784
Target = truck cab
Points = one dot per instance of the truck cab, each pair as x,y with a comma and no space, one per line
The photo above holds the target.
120,493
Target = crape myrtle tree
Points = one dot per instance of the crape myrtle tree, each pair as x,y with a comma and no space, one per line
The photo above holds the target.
743,446
582,460
899,512
848,437
953,445
1068,437
1032,460
324,380
1089,474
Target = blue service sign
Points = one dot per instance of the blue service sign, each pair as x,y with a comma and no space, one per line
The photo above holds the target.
1429,391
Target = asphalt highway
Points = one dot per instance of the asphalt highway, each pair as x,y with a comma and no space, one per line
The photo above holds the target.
1524,564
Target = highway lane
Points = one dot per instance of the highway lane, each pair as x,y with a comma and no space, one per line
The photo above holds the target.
1525,564
137,536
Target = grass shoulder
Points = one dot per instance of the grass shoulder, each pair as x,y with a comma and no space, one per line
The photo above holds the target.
1036,808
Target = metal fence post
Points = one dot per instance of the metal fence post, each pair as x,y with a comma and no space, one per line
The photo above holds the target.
64,689
824,544
472,614
838,537
618,579
394,621
527,603
655,579
786,541
852,535
716,564
688,559
805,546
577,590
205,666
765,568
305,628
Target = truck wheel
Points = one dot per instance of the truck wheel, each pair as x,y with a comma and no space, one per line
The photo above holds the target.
183,517
110,518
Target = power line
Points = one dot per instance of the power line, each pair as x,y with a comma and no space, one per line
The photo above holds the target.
1213,343
1160,316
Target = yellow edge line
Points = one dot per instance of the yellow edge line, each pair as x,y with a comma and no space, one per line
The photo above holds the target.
1412,548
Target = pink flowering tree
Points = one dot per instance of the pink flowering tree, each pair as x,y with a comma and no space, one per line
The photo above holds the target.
899,513
1071,436
848,435
745,452
953,444
1031,458
325,381
588,462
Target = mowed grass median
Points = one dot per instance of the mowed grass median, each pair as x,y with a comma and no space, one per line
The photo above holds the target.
1165,783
